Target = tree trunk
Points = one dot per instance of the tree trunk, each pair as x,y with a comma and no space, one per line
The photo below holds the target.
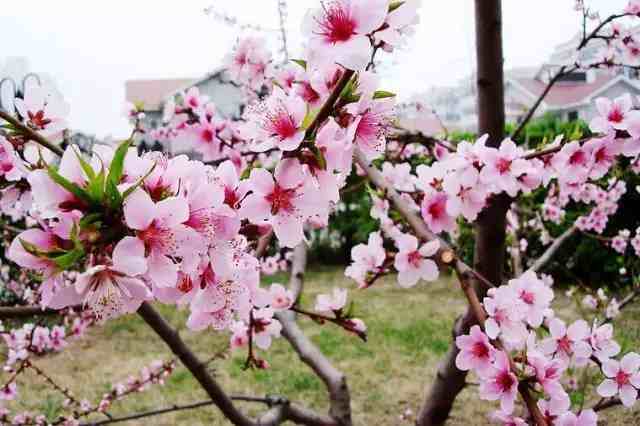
491,224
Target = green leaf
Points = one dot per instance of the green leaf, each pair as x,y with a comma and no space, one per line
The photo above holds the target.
73,188
300,62
382,94
308,119
246,173
70,258
90,219
36,251
86,167
117,163
322,162
394,5
112,195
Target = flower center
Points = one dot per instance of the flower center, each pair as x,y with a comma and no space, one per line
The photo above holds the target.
437,209
37,120
615,115
527,297
207,135
336,25
480,350
564,344
622,378
503,165
415,258
281,124
505,381
281,199
578,158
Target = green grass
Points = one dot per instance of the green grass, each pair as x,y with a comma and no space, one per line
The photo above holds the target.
409,331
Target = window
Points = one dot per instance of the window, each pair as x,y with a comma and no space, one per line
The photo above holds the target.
574,77
572,115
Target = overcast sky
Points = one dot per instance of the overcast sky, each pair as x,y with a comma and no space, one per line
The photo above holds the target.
91,47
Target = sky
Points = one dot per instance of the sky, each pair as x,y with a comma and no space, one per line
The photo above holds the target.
91,47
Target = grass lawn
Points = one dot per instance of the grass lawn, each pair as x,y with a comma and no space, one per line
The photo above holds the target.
409,331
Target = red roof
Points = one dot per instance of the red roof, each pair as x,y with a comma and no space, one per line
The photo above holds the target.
565,93
153,92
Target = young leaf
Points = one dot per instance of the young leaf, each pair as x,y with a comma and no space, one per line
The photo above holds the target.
73,188
382,94
300,62
394,5
70,258
117,163
86,167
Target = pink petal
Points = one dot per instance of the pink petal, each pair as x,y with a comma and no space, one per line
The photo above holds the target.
139,210
128,256
172,211
162,271
607,388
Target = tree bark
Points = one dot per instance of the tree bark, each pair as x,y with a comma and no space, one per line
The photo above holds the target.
334,379
491,224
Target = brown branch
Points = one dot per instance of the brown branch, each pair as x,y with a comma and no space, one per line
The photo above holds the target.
31,134
553,249
326,109
193,364
334,380
150,413
605,403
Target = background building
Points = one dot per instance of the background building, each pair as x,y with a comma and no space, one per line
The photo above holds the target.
570,98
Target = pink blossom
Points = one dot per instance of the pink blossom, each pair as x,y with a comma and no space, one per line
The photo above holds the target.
399,176
499,383
568,343
413,263
614,115
534,296
265,327
160,237
398,23
281,298
278,122
573,162
366,258
601,340
507,419
503,166
434,212
44,110
548,373
331,302
585,418
285,203
107,291
505,315
11,167
339,31
622,378
8,392
370,125
240,334
476,352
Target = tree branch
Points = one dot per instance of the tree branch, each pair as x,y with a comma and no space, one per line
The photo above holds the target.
193,364
150,413
31,134
553,249
335,381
